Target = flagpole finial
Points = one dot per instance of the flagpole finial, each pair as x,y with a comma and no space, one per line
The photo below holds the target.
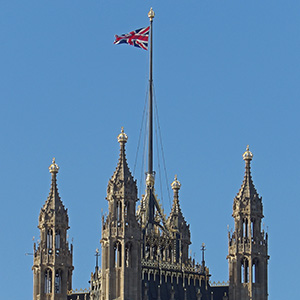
151,14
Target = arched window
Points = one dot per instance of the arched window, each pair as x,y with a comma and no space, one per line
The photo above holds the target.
255,270
57,283
48,281
49,240
126,205
119,212
115,254
128,249
118,254
245,271
245,228
252,227
57,239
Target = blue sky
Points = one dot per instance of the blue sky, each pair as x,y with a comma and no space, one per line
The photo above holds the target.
226,74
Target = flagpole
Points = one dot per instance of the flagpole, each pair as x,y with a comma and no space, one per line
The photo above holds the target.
150,141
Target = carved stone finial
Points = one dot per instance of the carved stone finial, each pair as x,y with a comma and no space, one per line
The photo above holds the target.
247,154
122,137
53,168
176,184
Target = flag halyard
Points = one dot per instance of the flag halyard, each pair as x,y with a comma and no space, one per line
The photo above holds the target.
138,38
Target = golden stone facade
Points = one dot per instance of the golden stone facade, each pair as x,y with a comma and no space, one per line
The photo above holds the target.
145,255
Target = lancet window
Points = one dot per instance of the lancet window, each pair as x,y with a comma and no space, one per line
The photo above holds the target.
57,283
128,249
245,271
245,228
255,271
252,227
48,281
118,254
57,239
49,239
126,206
119,212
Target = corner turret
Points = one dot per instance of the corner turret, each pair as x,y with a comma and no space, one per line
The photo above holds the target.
248,244
53,266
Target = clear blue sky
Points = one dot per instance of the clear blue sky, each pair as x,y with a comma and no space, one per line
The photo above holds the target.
226,74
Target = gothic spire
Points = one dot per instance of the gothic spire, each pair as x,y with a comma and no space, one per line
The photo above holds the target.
247,189
53,204
122,171
176,219
52,263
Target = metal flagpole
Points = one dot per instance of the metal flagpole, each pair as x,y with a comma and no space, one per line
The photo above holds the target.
150,174
150,142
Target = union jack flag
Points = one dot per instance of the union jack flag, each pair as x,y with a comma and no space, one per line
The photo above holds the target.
137,38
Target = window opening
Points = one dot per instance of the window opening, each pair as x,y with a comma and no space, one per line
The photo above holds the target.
57,240
48,281
57,283
49,240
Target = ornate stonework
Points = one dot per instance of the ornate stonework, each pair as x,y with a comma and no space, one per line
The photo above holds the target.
248,244
145,254
52,266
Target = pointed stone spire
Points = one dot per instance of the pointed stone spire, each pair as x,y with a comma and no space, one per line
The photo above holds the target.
247,189
176,210
176,219
53,258
122,171
53,204
53,195
177,224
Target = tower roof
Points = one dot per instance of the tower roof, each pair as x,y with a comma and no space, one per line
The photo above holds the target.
122,173
53,205
247,189
176,210
176,219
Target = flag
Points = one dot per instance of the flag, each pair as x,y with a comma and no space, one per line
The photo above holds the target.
137,38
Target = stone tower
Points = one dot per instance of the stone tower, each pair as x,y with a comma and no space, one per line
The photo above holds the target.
121,234
248,244
52,264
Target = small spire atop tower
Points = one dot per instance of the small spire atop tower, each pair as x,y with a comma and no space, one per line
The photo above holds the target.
177,224
53,201
247,189
122,171
176,185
